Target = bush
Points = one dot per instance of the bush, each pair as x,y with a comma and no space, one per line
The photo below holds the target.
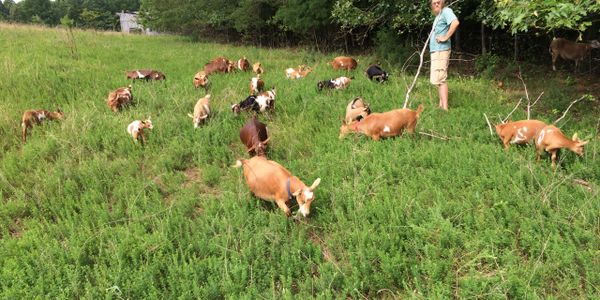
486,65
389,47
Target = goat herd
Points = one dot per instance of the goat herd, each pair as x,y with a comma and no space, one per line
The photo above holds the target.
269,180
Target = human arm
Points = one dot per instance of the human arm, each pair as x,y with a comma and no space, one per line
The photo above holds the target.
451,30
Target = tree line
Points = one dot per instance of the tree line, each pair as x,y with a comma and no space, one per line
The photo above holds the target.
330,24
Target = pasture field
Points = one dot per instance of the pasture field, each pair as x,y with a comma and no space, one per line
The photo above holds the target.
87,213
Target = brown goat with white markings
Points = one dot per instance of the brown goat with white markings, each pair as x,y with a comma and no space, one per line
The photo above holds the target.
519,132
387,124
272,182
37,117
344,63
257,85
119,98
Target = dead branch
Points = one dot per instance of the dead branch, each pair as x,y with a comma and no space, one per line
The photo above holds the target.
435,135
572,103
489,124
529,105
517,106
407,61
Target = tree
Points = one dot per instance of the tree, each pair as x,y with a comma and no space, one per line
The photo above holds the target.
3,11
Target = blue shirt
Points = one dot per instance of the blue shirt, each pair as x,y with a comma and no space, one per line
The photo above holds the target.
446,17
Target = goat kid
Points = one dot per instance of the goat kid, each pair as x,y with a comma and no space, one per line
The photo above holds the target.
201,79
272,182
37,117
356,110
257,85
201,111
387,124
519,132
377,73
570,50
338,83
551,139
243,64
145,74
137,129
343,63
257,68
301,72
119,98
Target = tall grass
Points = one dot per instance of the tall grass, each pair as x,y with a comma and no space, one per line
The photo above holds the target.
86,212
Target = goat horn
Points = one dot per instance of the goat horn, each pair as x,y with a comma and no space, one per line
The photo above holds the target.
266,141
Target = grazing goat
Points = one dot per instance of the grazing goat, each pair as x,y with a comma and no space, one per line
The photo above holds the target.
257,85
387,124
254,135
219,64
201,111
344,63
37,117
570,50
201,79
356,110
145,74
119,98
377,73
257,68
136,129
301,72
272,182
245,105
519,132
243,64
338,83
552,140
266,100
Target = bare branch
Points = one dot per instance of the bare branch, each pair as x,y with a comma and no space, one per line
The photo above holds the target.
435,135
572,103
489,124
504,121
538,99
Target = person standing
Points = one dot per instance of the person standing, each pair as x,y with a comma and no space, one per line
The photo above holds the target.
439,47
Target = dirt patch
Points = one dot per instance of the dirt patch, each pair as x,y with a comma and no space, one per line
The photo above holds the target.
192,175
16,229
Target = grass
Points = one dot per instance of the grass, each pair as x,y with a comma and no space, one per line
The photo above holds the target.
87,213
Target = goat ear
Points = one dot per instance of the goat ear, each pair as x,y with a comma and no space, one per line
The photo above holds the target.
574,137
315,184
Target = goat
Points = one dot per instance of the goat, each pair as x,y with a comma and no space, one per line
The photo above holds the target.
254,135
377,73
243,64
344,63
136,129
37,117
257,85
551,139
201,79
519,132
387,124
201,111
272,182
119,98
337,83
356,110
301,72
145,74
257,68
570,50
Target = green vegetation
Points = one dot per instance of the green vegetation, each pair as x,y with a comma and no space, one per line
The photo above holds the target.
86,213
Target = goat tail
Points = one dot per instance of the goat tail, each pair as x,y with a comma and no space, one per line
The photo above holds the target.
420,109
238,163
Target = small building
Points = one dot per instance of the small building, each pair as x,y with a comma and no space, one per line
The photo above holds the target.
129,24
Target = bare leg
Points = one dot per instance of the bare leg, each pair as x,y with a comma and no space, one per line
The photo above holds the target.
443,93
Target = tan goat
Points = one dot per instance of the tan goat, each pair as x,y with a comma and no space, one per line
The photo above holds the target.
201,111
552,139
356,110
272,182
519,132
387,124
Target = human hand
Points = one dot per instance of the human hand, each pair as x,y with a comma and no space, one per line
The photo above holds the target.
441,38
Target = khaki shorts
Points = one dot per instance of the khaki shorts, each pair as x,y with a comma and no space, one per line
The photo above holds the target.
439,66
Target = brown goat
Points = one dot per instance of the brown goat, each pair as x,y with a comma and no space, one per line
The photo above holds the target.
356,110
145,74
387,124
37,117
201,79
570,50
255,136
257,85
243,64
257,68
